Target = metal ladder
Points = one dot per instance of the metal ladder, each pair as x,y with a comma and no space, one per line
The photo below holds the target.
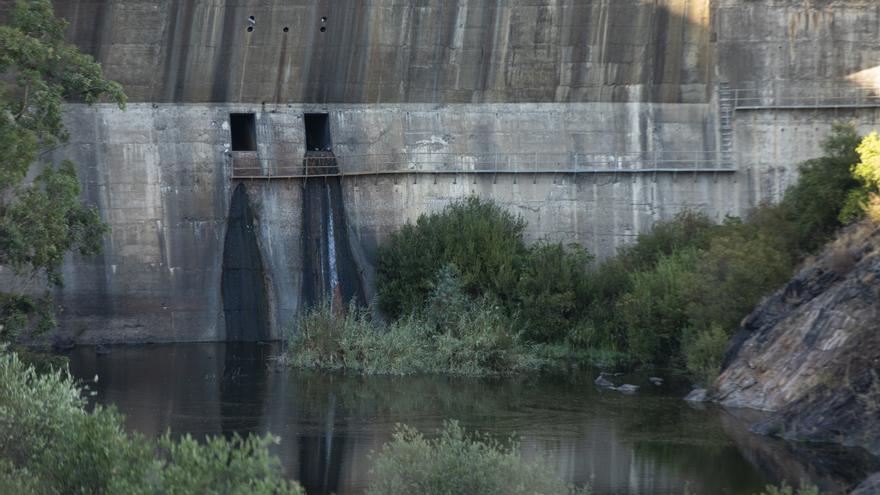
725,120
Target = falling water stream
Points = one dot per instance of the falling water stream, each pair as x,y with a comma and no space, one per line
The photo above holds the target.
331,247
331,275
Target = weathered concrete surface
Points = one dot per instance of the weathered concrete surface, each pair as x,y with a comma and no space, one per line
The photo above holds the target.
410,78
158,176
161,177
398,50
810,351
243,285
770,144
595,211
795,44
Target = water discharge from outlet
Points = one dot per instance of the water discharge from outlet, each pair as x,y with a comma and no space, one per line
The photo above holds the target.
331,275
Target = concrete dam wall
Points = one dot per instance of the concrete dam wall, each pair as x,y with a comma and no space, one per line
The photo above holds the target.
384,51
591,119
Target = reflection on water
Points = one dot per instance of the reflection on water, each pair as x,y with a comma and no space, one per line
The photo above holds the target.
649,443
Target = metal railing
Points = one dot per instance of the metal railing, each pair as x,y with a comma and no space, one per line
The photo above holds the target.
793,97
251,166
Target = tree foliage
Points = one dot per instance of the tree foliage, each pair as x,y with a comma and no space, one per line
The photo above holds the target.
866,197
50,444
458,462
483,245
41,214
813,203
480,239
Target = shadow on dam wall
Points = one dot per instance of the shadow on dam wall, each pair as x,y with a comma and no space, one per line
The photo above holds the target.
245,305
330,272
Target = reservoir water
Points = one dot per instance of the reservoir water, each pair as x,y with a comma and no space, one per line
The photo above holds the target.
329,424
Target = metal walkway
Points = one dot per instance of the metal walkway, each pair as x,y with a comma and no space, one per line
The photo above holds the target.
251,166
798,98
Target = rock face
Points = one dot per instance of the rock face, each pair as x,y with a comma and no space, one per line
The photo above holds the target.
811,352
870,486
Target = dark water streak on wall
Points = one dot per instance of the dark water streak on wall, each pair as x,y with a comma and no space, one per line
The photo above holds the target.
393,51
331,274
243,283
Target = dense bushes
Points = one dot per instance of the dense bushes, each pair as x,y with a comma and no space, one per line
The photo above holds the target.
458,463
552,281
474,339
690,283
670,299
865,199
49,444
654,309
483,241
814,203
484,245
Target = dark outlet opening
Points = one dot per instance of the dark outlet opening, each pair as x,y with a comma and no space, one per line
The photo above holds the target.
243,127
318,132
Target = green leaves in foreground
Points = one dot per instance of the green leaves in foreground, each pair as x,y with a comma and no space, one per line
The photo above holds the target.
49,444
455,462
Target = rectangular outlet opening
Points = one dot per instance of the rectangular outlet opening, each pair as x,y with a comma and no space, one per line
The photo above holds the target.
243,127
318,132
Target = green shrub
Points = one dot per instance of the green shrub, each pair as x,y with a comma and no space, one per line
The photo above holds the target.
602,325
447,300
456,463
547,293
482,240
688,230
742,264
606,294
704,353
655,309
866,172
476,341
235,466
49,444
814,202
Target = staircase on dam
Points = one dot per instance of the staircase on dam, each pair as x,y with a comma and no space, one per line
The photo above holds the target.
726,109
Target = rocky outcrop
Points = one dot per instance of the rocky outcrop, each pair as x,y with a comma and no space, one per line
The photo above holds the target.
870,486
811,352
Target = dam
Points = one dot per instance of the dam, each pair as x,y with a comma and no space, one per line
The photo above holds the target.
269,147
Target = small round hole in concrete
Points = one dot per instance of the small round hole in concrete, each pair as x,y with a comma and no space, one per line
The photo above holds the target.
323,29
250,29
286,29
252,18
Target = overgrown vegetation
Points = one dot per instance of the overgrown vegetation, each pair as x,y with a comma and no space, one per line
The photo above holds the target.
451,332
864,200
474,340
681,289
42,217
470,296
484,245
49,444
456,462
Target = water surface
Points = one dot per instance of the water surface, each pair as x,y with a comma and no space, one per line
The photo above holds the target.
648,443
